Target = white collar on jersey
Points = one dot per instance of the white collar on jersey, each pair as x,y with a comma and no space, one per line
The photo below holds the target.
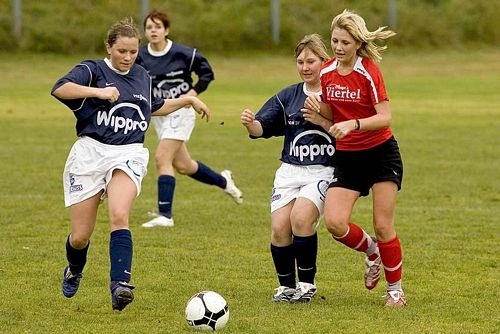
358,65
309,93
162,52
108,62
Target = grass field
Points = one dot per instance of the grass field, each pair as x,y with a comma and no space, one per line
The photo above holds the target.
446,119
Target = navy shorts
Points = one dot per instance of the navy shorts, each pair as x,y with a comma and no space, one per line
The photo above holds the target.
360,170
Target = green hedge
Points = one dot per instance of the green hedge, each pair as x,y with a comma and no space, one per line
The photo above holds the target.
244,25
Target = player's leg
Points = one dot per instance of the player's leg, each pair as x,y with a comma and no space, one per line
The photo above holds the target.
185,165
282,253
121,194
285,191
384,203
83,220
304,217
83,187
339,203
338,208
164,157
199,171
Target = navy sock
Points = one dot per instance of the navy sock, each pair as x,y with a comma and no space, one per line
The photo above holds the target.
120,255
306,249
77,258
166,187
206,175
284,263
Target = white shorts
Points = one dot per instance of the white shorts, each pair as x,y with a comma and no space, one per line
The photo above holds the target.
90,166
178,125
291,182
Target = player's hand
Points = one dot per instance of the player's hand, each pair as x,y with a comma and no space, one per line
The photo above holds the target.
312,102
247,117
110,94
201,108
312,116
253,126
342,129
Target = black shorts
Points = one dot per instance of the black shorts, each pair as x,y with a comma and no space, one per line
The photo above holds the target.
360,170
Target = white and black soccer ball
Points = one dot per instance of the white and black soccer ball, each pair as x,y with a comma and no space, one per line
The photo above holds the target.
207,310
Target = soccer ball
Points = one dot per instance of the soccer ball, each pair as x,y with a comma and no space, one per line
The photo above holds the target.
207,310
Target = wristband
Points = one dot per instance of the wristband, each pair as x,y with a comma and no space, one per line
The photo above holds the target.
357,126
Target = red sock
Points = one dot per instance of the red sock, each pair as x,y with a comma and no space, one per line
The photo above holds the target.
392,259
355,238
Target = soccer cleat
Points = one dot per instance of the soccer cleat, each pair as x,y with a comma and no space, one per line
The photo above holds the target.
121,295
70,283
159,220
395,298
372,272
304,293
283,294
231,188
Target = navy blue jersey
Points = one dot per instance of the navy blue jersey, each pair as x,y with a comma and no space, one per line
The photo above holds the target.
304,143
122,122
172,69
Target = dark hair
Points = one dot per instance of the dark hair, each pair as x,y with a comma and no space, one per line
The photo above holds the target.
155,14
124,28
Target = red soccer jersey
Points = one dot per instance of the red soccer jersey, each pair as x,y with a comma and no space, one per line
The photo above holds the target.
354,96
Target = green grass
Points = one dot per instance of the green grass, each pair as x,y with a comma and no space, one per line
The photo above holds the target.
446,119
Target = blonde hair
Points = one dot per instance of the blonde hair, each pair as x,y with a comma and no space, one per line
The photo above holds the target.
315,44
355,25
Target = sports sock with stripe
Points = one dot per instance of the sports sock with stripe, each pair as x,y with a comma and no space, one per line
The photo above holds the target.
284,263
306,252
166,187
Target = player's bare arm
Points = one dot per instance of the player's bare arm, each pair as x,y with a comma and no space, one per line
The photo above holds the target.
254,128
200,107
71,91
382,119
172,105
191,92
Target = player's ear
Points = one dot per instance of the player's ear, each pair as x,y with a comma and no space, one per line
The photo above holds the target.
167,32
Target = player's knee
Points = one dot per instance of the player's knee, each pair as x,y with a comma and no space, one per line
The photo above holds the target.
119,218
281,232
384,232
182,170
162,160
281,238
336,224
302,225
79,241
188,168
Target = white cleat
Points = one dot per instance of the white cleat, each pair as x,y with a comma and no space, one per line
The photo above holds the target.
159,221
283,294
304,293
231,188
372,272
395,298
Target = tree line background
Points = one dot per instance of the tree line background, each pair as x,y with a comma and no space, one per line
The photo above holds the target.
235,26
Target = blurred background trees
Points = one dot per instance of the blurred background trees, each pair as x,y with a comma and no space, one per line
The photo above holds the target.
234,26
